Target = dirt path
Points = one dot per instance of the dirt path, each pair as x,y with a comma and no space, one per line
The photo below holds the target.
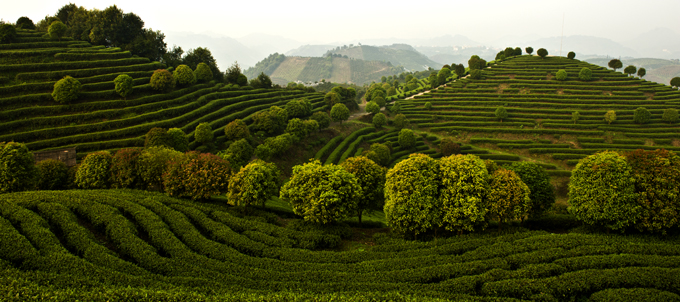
361,112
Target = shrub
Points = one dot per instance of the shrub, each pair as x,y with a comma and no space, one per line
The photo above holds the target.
93,172
372,107
380,154
184,75
332,98
151,165
529,50
52,175
610,116
585,74
238,154
407,139
642,115
7,33
508,197
602,191
311,126
460,70
571,55
322,118
297,128
17,169
299,108
396,107
57,29
197,176
476,74
203,73
178,139
657,183
670,115
321,193
236,129
464,188
25,23
501,113
412,204
535,177
162,80
448,147
371,178
124,84
273,120
379,100
615,64
561,75
339,113
66,90
630,70
379,120
428,106
575,116
274,146
542,52
254,184
124,170
203,133
157,137
400,121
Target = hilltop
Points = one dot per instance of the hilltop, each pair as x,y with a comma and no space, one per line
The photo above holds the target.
397,54
658,70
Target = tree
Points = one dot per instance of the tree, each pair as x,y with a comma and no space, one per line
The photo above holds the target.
332,98
153,163
476,74
571,55
236,129
508,197
561,75
238,154
642,72
203,133
321,193
254,184
536,178
311,126
379,153
642,115
407,139
542,52
173,58
297,128
372,107
396,107
322,118
380,101
52,175
93,172
157,137
412,203
17,169
299,108
124,85
400,121
630,70
657,183
178,139
371,178
464,188
203,73
232,74
184,75
575,116
675,82
460,70
670,115
7,33
428,106
57,29
339,113
198,176
264,80
529,50
275,146
203,55
585,74
379,120
66,90
273,120
383,79
162,80
124,171
448,147
476,62
602,191
509,52
610,117
25,23
615,64
501,113
443,74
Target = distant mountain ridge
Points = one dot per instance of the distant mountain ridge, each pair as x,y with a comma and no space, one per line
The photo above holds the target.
397,54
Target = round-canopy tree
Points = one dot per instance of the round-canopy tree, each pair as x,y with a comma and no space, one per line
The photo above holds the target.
7,33
25,23
642,115
542,52
178,139
412,204
428,106
124,85
157,137
321,193
575,116
529,50
197,176
322,118
407,139
464,189
203,133
254,184
203,73
52,175
615,64
339,112
66,90
602,191
675,82
630,70
124,172
508,196
379,120
162,80
236,129
184,75
561,75
449,147
642,72
17,170
372,107
460,70
93,172
501,113
571,55
585,74
371,178
238,154
542,192
610,117
57,29
670,115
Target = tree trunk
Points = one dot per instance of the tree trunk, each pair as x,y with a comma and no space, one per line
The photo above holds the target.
359,212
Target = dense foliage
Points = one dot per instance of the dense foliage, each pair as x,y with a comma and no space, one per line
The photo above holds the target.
537,180
464,190
203,133
236,129
162,80
371,178
66,90
508,197
379,120
641,115
585,74
254,184
197,176
124,168
184,75
124,85
17,172
94,171
203,73
339,113
52,175
407,138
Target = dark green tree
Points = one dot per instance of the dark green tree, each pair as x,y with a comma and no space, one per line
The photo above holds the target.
124,85
203,55
542,52
25,23
7,33
66,90
675,82
571,55
57,29
17,169
460,70
615,64
642,72
339,113
642,115
529,50
501,113
630,70
203,73
536,178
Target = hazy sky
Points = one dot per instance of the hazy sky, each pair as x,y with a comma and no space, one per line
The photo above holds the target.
331,21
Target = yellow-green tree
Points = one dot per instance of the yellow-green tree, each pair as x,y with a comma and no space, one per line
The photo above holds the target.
371,178
321,193
464,183
254,184
508,197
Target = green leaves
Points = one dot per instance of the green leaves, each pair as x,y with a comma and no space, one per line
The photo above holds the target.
66,90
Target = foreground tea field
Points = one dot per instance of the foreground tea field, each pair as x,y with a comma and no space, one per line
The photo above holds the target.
128,245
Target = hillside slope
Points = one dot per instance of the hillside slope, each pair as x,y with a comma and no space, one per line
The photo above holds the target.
658,70
397,54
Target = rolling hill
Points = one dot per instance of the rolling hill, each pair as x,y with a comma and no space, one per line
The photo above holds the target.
397,54
658,70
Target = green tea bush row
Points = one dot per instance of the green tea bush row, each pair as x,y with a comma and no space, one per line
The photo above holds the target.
78,56
335,155
72,65
77,73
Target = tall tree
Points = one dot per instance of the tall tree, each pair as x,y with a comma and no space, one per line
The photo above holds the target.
203,55
615,64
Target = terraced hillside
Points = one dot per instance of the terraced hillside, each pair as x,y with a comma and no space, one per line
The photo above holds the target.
397,54
100,119
331,69
130,245
539,124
